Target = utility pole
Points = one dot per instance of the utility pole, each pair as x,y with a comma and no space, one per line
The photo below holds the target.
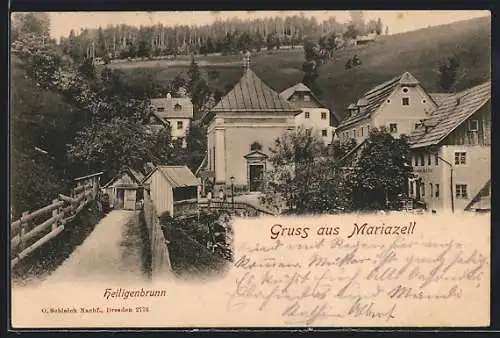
451,183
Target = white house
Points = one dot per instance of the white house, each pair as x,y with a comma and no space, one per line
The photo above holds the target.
314,115
172,189
399,105
177,112
451,153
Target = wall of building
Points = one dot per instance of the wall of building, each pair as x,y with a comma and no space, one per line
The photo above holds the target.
239,135
358,131
405,117
316,122
182,132
474,174
161,193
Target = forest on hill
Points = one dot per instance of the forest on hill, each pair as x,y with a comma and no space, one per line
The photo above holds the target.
422,52
223,36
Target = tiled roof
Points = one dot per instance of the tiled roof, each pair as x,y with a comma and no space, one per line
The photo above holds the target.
179,176
376,96
137,176
439,98
452,112
185,109
251,94
299,87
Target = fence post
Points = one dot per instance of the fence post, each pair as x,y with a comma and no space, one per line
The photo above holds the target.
23,225
56,213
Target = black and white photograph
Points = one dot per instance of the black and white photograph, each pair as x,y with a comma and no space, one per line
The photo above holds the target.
192,148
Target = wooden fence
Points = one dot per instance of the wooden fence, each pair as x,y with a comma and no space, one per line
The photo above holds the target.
160,259
36,228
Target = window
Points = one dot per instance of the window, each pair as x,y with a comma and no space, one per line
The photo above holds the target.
436,159
411,188
460,158
354,134
160,109
307,97
324,132
437,190
368,128
362,133
323,116
422,160
388,100
429,159
422,190
177,107
424,101
416,161
405,90
461,191
307,115
179,124
417,125
473,125
431,189
393,128
406,101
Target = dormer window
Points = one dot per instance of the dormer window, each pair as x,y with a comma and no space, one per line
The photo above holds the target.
177,107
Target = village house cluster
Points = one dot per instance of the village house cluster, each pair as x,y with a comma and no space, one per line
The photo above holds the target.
449,135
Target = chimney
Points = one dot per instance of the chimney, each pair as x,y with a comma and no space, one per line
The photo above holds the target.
169,96
458,100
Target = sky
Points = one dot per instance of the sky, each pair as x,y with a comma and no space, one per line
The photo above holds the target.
398,21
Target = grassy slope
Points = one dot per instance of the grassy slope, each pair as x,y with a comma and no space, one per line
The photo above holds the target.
419,52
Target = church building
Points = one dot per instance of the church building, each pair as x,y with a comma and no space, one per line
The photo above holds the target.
241,129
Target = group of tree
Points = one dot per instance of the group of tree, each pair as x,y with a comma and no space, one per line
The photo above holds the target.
228,36
85,121
307,178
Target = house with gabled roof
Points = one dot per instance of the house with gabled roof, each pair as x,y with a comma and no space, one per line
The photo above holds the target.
251,113
125,189
398,105
174,112
451,152
314,116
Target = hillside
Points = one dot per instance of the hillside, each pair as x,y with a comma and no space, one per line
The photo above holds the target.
39,118
419,52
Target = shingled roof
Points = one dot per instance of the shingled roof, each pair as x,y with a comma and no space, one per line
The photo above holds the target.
299,87
173,107
452,112
178,175
251,94
377,95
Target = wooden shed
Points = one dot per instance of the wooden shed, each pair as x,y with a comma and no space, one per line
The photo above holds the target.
125,189
173,189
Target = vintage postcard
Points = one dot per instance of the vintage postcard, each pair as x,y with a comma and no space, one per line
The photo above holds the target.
222,169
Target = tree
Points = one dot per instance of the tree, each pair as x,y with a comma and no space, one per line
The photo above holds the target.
351,32
381,172
358,21
371,26
296,177
379,27
101,44
109,145
448,74
310,67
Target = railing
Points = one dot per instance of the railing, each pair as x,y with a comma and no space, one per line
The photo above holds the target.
37,228
160,259
245,209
